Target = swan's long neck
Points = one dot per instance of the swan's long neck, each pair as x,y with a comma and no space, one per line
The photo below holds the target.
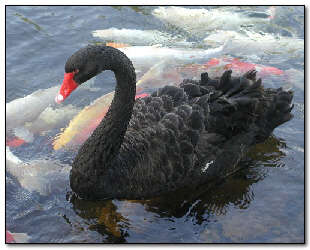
113,127
103,146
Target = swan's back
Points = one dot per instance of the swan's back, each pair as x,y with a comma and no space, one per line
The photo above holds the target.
196,133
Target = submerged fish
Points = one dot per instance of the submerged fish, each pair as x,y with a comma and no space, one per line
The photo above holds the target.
200,21
253,43
43,176
51,118
33,114
25,110
217,66
147,56
84,122
139,37
242,67
28,108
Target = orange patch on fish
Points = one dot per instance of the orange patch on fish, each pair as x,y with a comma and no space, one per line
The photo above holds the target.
82,121
9,237
87,131
212,62
16,142
239,65
117,45
243,67
271,70
141,95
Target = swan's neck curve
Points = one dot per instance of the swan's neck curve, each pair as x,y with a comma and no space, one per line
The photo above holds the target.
103,146
113,127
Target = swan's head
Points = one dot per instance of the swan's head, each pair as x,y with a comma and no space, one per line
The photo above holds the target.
80,67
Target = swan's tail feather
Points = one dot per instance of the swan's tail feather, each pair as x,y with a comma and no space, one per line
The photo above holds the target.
241,105
276,109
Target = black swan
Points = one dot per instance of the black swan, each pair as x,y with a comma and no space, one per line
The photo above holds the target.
176,137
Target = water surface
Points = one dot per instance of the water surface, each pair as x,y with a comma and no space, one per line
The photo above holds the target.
262,203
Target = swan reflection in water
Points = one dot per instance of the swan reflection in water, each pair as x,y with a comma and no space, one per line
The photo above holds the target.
116,219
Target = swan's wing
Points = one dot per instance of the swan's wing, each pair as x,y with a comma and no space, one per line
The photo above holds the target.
241,114
159,143
198,132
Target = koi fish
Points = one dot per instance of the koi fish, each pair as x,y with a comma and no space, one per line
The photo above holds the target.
200,21
43,176
216,66
28,108
253,43
117,45
33,114
139,37
144,57
24,110
14,142
242,67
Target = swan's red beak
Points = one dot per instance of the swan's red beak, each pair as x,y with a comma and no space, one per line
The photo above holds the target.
67,86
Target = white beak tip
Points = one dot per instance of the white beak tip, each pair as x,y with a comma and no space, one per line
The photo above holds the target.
59,98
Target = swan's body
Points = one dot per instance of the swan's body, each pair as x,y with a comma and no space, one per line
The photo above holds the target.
174,138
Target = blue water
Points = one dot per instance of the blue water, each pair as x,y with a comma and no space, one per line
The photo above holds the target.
262,203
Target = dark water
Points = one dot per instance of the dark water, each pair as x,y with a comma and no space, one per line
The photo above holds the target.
262,203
